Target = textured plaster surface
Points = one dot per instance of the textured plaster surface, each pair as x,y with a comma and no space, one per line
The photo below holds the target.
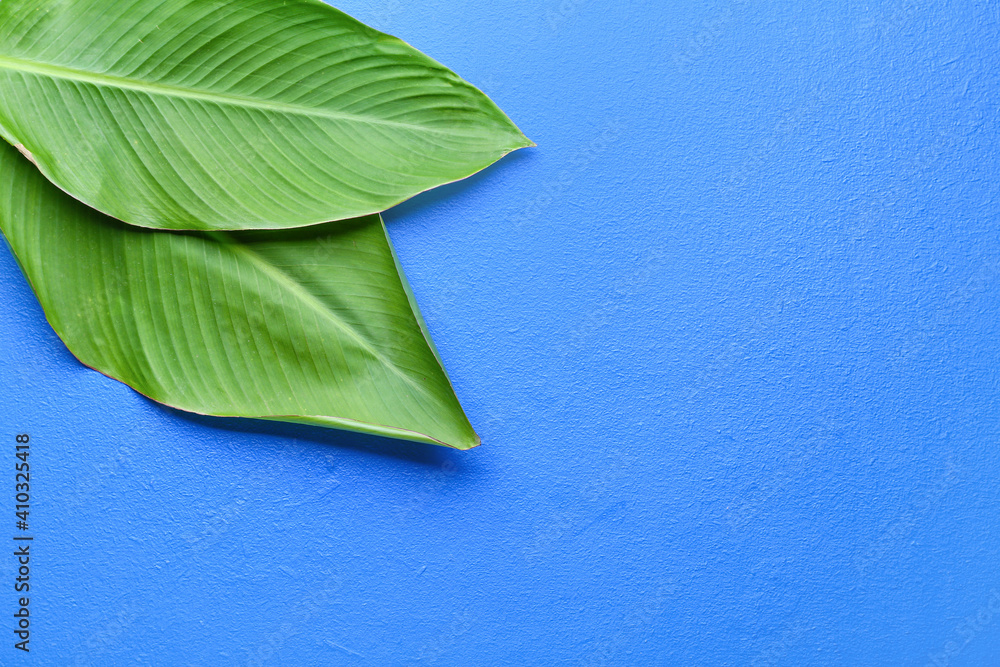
729,334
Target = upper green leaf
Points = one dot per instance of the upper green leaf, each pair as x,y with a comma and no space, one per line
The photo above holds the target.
313,325
234,114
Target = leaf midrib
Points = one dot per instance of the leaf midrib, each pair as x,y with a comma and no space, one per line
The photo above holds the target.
313,302
159,88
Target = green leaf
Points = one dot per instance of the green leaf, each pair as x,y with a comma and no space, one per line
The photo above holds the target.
234,114
313,325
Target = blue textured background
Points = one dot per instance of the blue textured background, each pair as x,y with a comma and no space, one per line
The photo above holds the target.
730,336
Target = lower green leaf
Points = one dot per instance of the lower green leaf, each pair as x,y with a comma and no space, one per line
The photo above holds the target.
314,325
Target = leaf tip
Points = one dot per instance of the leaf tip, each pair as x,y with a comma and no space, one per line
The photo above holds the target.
524,142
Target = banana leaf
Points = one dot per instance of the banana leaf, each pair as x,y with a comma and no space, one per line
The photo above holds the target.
314,325
234,114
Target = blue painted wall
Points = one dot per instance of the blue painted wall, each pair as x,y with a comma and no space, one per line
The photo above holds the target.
730,335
